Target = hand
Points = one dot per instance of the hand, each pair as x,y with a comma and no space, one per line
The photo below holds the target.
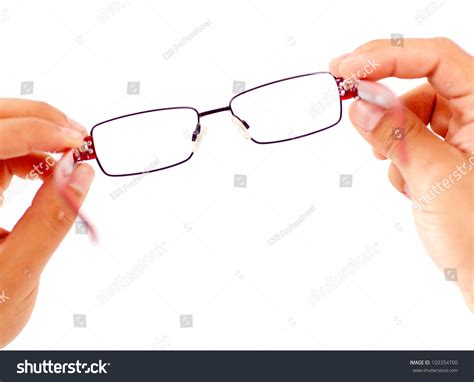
28,130
434,169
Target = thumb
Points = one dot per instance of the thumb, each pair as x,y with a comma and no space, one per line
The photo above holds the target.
420,155
46,222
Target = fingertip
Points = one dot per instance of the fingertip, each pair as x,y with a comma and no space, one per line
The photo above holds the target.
73,124
353,109
72,138
334,64
365,116
378,155
81,179
358,66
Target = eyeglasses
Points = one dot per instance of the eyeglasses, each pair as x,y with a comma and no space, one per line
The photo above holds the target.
275,112
158,139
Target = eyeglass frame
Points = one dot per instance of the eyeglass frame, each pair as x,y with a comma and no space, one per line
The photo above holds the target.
347,89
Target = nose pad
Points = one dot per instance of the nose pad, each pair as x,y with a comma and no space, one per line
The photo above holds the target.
198,136
243,127
196,132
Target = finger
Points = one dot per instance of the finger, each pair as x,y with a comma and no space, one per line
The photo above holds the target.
431,58
420,145
20,108
5,177
31,167
334,64
43,226
3,233
464,139
396,179
22,136
378,155
360,49
429,107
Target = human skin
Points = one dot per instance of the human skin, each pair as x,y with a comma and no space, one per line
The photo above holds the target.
28,131
438,164
445,224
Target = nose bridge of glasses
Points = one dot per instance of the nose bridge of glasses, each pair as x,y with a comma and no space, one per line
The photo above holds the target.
214,111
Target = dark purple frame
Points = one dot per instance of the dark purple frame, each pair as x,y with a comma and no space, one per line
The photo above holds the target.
198,128
88,150
278,81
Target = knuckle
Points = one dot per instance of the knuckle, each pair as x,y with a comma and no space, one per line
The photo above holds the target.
444,42
42,106
36,128
44,109
391,136
57,218
371,45
24,136
29,131
76,194
378,42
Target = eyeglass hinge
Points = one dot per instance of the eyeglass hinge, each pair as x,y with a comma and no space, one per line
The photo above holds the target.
85,151
347,87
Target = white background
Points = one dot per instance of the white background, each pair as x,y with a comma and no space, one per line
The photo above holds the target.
218,266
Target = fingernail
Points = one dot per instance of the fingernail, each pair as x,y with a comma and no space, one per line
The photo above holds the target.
365,115
66,165
77,126
74,135
81,178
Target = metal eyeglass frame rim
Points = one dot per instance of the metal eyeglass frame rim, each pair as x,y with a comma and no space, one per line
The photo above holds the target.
346,91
